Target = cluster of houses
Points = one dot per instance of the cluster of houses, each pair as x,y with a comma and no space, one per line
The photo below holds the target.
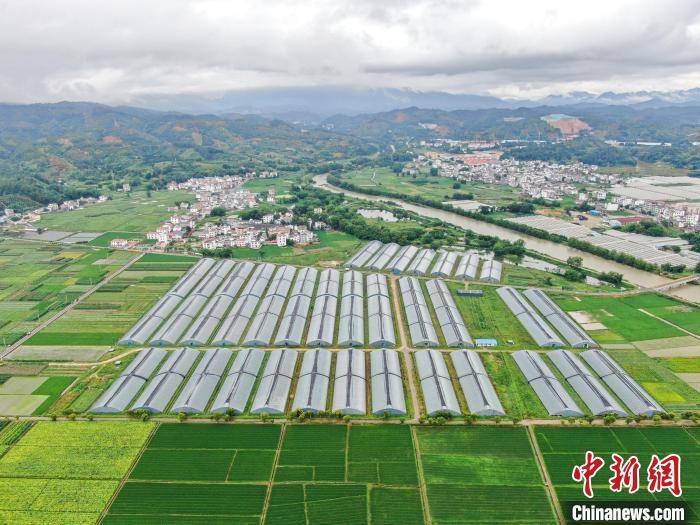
34,215
270,229
681,215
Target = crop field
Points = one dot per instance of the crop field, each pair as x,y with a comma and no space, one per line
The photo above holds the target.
622,318
64,472
333,249
471,471
31,395
282,185
100,320
37,280
126,212
563,448
488,316
436,188
104,239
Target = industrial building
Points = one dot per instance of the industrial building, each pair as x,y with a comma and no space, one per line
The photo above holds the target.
438,394
621,383
549,390
349,385
481,397
314,378
538,329
564,324
420,324
387,384
586,385
450,319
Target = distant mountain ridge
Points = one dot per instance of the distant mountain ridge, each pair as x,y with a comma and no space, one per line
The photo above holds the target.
310,105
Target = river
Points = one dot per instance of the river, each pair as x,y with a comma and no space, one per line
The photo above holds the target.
552,249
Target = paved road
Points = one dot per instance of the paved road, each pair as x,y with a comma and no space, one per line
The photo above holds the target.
6,353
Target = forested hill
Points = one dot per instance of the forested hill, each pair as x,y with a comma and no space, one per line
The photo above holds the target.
622,123
50,152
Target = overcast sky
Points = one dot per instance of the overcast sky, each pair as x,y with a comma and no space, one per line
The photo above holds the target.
113,51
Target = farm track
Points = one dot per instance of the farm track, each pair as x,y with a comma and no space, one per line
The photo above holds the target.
545,476
10,349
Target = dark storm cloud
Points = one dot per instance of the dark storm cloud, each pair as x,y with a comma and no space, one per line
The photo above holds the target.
116,51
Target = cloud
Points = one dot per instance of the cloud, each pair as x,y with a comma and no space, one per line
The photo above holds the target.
118,51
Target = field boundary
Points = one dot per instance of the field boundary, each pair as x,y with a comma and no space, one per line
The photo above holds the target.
422,488
553,498
271,482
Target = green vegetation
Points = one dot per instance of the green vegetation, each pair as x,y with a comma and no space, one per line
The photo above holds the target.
107,314
332,249
489,317
563,448
66,472
125,212
104,239
485,467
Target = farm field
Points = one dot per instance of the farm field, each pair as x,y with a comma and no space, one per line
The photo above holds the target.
622,319
282,185
489,317
333,249
436,188
31,395
37,280
483,467
563,448
99,321
66,472
125,212
515,275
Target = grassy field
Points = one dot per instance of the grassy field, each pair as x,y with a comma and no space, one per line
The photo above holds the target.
489,317
491,470
333,249
104,239
125,212
66,472
37,280
437,188
563,448
623,319
282,185
100,320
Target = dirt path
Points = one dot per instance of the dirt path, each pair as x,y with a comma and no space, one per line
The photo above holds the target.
275,464
545,476
67,309
668,323
404,348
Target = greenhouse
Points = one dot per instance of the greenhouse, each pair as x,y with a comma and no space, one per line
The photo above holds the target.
621,383
422,262
351,326
445,264
554,397
360,259
402,259
263,324
201,385
239,382
491,271
564,324
383,256
379,317
477,387
586,385
122,391
468,266
314,378
420,324
538,329
438,394
350,382
387,384
271,396
322,325
450,319
293,321
160,390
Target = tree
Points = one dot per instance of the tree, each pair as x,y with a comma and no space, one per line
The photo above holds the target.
575,262
218,212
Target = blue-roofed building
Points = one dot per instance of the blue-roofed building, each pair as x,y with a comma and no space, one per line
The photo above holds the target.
485,342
